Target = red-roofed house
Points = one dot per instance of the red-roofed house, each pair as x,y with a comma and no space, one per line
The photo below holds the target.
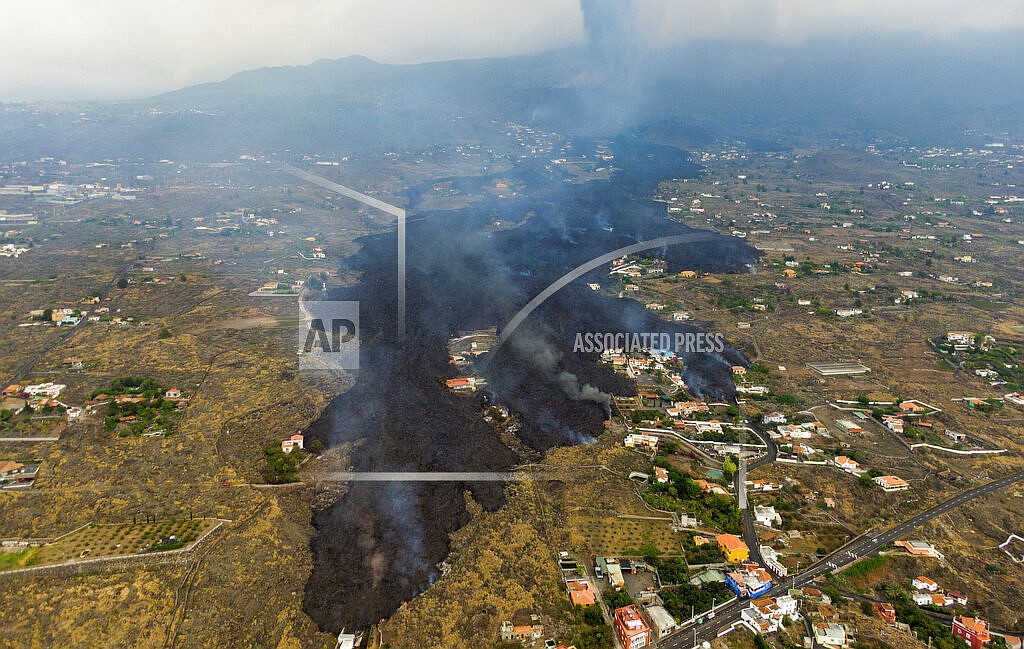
890,483
581,593
971,629
295,441
885,611
633,632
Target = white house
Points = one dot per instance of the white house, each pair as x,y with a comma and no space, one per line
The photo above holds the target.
846,464
766,515
295,441
924,583
830,634
774,418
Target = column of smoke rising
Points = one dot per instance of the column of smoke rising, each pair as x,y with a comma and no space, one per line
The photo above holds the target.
534,350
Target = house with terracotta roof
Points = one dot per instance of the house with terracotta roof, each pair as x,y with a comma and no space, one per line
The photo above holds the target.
974,631
295,441
846,464
712,487
885,611
581,593
891,483
660,475
895,424
522,632
924,583
631,628
733,547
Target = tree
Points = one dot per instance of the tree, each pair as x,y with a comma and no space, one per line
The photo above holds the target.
164,334
729,466
122,282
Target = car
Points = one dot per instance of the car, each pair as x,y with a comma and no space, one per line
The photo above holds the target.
598,573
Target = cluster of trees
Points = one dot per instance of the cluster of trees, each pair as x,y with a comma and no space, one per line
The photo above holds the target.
699,555
591,631
134,385
682,492
151,413
281,467
679,599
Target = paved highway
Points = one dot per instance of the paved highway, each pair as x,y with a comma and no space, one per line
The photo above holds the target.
866,545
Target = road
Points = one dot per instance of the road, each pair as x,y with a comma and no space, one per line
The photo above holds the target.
749,531
866,545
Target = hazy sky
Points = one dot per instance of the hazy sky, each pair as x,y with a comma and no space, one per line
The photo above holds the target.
129,48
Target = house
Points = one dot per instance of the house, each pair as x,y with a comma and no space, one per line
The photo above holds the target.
1015,398
14,390
712,487
533,631
794,432
958,598
634,440
763,485
959,438
942,600
974,631
846,313
581,593
912,406
830,634
733,547
15,475
172,393
630,627
611,567
891,483
918,548
295,441
895,424
662,622
771,560
922,599
767,516
765,614
660,475
750,581
960,340
846,464
924,583
774,418
885,612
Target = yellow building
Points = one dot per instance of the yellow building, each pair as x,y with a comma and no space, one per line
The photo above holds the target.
733,547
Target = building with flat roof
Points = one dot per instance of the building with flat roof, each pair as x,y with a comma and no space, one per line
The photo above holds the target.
630,627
